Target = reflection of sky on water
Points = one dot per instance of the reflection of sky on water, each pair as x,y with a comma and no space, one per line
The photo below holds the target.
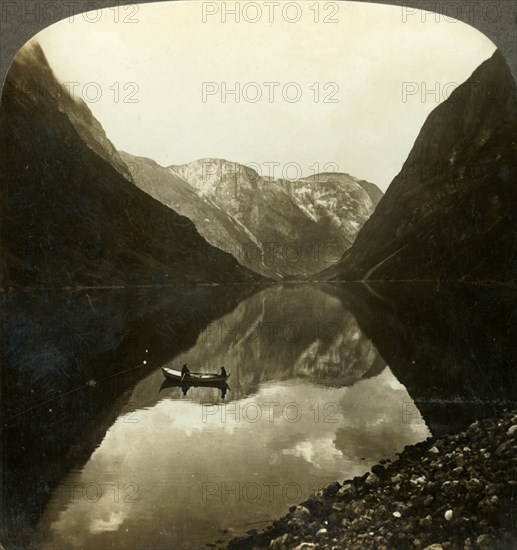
184,472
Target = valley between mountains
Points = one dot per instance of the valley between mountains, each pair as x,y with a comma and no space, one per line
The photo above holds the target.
78,212
113,266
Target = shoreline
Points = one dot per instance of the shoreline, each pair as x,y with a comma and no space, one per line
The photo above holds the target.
457,491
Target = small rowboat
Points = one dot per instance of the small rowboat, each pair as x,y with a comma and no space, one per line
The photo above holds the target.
194,378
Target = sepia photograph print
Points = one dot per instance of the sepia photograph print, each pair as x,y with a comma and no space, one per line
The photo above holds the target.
258,279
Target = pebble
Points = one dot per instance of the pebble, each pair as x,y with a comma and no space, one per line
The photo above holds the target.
301,512
474,485
448,515
484,542
372,479
332,489
512,430
280,542
378,469
347,490
425,522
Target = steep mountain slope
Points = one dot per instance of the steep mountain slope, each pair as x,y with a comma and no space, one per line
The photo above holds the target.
375,193
336,199
214,224
71,214
451,213
299,226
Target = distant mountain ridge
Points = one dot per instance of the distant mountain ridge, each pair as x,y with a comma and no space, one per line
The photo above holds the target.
215,225
301,225
451,213
278,228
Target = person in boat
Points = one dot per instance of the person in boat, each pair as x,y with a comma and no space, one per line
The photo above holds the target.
223,372
185,371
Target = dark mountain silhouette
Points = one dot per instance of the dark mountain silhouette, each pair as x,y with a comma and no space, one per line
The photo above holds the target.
278,228
451,213
71,213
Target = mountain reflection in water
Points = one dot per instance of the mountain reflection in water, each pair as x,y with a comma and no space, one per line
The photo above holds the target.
310,400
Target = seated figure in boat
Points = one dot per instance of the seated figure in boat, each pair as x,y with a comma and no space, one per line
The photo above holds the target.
185,371
223,372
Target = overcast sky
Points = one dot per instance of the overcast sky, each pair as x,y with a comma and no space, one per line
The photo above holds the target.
159,58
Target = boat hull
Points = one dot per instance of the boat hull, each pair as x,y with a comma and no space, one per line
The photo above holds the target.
194,378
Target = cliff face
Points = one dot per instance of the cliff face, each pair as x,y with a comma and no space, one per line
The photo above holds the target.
451,213
216,225
288,228
71,213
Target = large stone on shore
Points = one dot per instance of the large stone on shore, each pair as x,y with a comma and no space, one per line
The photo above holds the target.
512,430
296,523
300,512
348,490
485,542
378,469
332,489
372,480
279,543
474,485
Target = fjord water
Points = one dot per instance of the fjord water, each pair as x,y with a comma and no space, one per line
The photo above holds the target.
325,381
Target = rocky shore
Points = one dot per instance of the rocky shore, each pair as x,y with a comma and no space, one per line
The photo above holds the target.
454,492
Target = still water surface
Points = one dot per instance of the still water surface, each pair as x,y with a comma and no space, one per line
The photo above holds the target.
309,402
325,381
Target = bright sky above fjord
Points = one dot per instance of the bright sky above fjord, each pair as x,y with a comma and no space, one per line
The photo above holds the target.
168,51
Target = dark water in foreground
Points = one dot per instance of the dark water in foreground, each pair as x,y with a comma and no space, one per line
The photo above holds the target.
325,381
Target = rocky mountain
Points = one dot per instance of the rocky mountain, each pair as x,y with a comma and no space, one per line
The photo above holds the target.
218,228
337,199
278,228
451,213
71,213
